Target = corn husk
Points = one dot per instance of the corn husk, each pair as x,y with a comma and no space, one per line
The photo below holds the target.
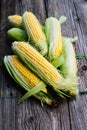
54,37
17,34
69,67
36,91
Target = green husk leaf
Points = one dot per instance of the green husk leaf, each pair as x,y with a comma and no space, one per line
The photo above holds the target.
71,39
57,62
74,39
68,52
80,57
83,92
17,34
56,15
62,19
33,91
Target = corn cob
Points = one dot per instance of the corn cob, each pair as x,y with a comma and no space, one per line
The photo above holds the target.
27,79
54,37
34,31
39,65
17,34
15,21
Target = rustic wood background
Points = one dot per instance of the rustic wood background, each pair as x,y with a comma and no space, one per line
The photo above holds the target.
30,115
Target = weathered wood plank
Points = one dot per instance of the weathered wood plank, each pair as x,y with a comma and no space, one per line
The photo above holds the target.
7,114
5,49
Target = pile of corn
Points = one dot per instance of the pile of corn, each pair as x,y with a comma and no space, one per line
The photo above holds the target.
43,62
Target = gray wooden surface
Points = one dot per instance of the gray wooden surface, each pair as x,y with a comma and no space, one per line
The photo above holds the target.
30,115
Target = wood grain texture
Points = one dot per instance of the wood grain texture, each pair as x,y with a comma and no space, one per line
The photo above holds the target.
30,115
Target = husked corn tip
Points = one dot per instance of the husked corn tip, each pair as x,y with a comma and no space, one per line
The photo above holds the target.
15,20
34,26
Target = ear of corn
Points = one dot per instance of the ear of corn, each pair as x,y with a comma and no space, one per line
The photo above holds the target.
69,67
34,31
27,79
39,65
17,34
54,37
15,21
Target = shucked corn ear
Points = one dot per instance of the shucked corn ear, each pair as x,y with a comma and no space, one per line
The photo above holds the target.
17,34
34,31
69,67
26,78
39,65
15,21
54,37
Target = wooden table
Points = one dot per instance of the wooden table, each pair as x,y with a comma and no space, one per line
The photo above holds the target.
30,115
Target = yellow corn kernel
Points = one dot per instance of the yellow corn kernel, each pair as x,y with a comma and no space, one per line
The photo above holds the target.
35,26
28,76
